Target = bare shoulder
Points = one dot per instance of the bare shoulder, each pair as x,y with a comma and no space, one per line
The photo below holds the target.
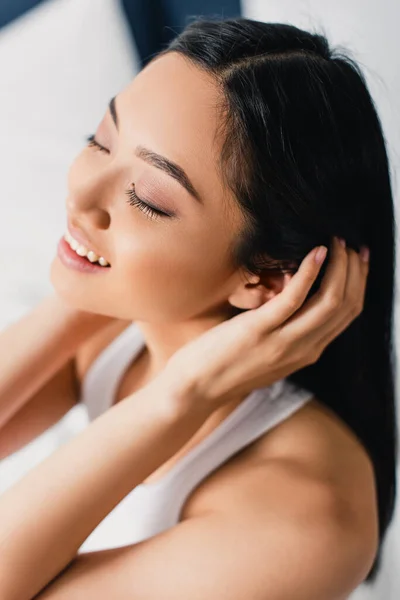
310,462
294,514
276,517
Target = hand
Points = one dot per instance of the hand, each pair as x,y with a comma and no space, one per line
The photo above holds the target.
256,348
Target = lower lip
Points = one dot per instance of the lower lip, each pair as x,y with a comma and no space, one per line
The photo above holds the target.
72,260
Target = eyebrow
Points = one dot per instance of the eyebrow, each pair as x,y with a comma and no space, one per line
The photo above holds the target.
161,162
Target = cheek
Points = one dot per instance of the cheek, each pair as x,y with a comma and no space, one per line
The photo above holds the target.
170,277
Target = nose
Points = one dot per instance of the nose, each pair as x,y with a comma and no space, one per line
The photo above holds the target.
98,217
89,198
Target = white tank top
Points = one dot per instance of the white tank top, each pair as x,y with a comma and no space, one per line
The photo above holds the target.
150,508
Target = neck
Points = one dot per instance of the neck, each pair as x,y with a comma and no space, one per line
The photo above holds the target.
162,340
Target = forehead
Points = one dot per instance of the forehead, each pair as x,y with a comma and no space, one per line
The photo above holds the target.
171,106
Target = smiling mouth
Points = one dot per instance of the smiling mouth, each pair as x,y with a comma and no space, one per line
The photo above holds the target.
84,252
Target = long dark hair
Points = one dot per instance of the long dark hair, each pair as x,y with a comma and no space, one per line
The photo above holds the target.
305,156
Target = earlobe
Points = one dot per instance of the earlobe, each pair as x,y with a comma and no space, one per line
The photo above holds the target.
259,289
251,296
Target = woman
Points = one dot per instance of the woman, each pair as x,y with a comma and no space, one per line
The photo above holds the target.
275,147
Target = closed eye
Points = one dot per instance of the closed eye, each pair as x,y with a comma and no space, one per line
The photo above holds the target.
134,200
93,142
151,211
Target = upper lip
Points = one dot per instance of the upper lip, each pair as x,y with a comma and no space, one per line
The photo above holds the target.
80,237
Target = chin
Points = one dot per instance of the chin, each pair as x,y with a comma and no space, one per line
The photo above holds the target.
68,291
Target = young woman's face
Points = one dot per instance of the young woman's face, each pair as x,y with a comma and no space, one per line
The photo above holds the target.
163,268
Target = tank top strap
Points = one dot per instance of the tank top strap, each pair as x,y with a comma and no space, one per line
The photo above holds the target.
259,412
104,374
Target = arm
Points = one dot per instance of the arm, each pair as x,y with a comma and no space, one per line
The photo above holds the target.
47,515
34,348
272,534
266,527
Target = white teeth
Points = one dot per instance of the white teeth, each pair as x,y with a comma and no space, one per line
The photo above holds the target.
92,256
83,251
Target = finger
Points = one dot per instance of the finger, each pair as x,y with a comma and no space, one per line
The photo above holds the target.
333,284
275,312
322,334
318,311
356,285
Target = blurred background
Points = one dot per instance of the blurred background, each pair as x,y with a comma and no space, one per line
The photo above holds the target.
60,62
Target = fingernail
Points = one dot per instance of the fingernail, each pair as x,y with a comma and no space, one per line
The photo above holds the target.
364,253
320,254
342,242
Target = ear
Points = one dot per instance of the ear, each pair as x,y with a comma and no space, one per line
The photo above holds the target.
254,290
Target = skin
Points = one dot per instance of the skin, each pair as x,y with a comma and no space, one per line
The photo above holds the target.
173,276
280,506
183,286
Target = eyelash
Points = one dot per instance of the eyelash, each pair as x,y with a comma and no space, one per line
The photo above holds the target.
133,200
